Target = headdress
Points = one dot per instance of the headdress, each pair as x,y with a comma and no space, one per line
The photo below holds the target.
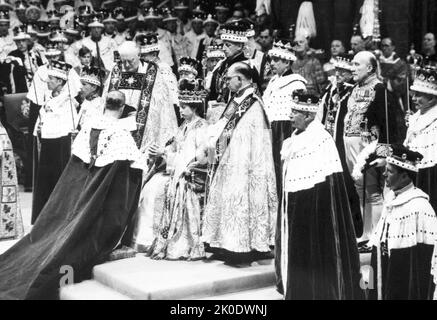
109,17
148,42
96,23
20,33
52,49
403,157
303,101
4,5
151,15
168,15
425,80
59,69
52,15
58,36
282,49
72,26
343,62
234,31
188,64
191,91
4,16
210,19
215,51
91,75
180,5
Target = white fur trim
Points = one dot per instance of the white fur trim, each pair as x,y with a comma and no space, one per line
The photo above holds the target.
233,37
282,54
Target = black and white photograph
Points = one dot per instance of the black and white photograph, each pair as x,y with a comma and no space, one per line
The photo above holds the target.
219,155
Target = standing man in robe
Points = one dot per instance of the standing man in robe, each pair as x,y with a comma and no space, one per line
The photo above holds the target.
319,255
56,122
406,235
239,218
277,99
422,131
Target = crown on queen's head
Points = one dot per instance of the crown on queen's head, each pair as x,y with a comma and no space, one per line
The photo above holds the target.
425,80
191,91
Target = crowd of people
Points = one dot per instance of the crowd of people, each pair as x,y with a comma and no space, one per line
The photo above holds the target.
201,134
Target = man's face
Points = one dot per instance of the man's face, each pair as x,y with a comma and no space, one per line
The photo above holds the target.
423,101
186,112
394,179
197,26
279,66
22,45
222,16
4,29
233,80
265,39
231,48
53,83
360,68
429,41
172,26
301,43
210,29
298,119
55,24
211,63
357,44
96,32
109,27
130,63
387,48
343,76
336,48
85,60
88,89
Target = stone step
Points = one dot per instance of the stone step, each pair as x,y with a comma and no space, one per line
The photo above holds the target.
268,293
142,278
90,290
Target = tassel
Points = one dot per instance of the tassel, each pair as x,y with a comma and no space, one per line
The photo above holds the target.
306,23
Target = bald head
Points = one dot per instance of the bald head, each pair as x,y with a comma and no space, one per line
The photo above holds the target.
364,65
